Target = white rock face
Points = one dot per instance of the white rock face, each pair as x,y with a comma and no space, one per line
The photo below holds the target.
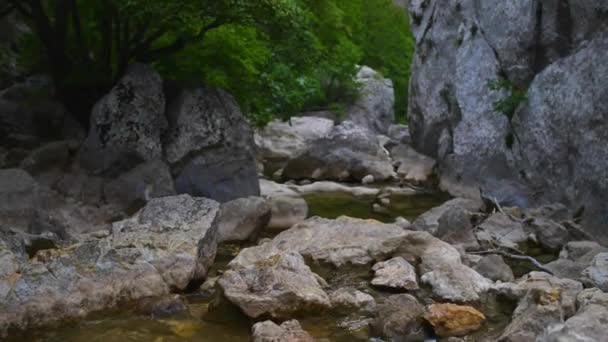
395,273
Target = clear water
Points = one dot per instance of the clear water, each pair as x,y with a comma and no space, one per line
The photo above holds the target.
227,324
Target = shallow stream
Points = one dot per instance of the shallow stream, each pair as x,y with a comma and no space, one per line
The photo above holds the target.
227,324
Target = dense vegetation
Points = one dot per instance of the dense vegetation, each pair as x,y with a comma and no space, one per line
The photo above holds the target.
278,57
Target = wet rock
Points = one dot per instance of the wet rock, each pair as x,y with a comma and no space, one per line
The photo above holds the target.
429,221
349,153
277,286
280,141
395,273
598,271
162,307
456,282
287,206
349,299
243,218
399,319
494,268
454,320
289,331
369,179
133,189
210,145
167,246
338,242
126,124
374,109
326,187
413,166
502,230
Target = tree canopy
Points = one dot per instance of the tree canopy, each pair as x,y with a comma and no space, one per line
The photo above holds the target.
278,57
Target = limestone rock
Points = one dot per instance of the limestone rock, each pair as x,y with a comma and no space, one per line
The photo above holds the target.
456,282
243,218
349,153
494,268
277,286
598,271
287,206
413,166
338,242
347,299
289,331
429,221
395,273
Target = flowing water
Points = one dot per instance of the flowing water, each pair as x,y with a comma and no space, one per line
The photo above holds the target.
204,324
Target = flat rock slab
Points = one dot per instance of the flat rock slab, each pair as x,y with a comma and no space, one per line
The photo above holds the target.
338,242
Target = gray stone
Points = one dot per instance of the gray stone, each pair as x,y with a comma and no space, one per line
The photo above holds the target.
429,221
501,229
168,246
399,133
338,242
126,124
133,189
349,299
455,227
413,166
210,146
395,273
277,286
289,331
280,141
598,271
20,196
287,206
369,179
456,282
242,219
558,91
349,153
494,268
399,319
375,107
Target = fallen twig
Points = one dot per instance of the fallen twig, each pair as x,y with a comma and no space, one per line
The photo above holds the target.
516,257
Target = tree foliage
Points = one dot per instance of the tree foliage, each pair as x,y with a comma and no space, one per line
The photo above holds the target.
278,57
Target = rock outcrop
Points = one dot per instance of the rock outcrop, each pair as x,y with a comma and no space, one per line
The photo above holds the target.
542,53
375,108
210,146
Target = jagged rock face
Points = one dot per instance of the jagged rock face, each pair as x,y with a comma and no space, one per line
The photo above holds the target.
126,124
211,146
553,141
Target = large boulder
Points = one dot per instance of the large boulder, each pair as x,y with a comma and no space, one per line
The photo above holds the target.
375,108
279,141
166,247
126,124
243,218
277,286
337,242
349,153
210,145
